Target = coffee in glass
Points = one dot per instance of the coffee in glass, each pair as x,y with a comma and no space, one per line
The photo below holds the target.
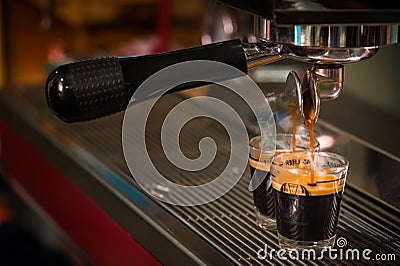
260,163
307,197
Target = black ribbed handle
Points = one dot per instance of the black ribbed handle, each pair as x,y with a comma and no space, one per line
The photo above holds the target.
96,88
87,89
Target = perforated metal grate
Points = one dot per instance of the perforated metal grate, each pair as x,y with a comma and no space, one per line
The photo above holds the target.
228,224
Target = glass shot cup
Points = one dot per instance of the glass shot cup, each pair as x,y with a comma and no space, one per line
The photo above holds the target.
260,184
308,189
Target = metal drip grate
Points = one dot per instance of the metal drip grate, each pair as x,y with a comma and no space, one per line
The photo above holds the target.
228,224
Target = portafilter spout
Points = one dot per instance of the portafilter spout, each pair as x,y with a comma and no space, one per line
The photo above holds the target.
321,82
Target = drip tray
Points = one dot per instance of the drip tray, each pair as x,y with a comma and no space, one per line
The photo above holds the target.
368,224
228,223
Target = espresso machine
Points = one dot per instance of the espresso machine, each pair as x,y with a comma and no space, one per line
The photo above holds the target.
118,222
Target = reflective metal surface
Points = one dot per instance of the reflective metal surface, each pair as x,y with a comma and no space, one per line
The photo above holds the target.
293,12
327,36
323,31
258,54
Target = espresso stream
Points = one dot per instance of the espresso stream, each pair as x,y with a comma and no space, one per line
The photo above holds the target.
305,211
310,107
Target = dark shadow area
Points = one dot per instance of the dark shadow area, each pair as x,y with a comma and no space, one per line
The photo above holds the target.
369,123
19,245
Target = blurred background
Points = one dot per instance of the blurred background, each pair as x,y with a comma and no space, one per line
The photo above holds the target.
38,35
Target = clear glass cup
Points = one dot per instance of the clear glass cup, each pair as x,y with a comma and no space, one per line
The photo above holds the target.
308,189
260,184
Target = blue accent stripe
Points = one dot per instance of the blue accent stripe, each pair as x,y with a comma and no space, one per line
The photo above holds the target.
297,34
113,179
